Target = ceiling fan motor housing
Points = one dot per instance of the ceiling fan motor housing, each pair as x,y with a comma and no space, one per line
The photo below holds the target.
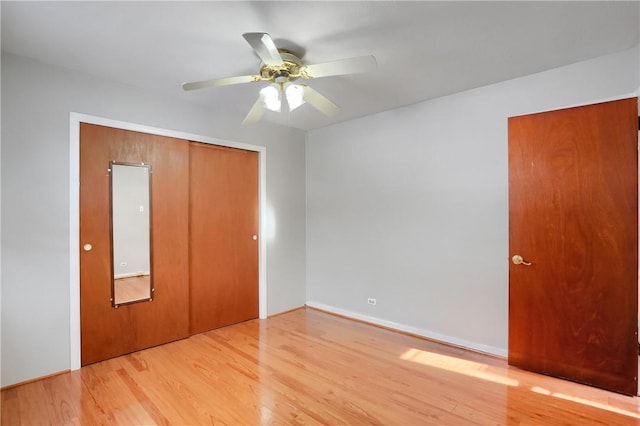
288,70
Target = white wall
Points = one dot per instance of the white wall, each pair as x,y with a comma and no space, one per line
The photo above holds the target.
410,206
36,102
130,220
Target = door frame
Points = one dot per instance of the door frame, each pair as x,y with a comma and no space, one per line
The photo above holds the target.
74,213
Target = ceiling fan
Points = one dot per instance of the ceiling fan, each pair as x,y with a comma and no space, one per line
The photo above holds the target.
281,68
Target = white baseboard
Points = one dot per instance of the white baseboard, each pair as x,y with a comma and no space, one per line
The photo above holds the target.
411,330
131,274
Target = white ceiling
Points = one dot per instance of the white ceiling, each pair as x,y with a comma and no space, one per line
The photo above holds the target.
424,49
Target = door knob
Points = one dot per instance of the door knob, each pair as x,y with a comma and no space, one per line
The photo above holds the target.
518,260
87,247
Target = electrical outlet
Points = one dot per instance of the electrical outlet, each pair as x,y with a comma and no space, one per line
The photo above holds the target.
371,301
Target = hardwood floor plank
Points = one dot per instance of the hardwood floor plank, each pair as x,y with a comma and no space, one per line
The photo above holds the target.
10,407
307,367
33,406
60,394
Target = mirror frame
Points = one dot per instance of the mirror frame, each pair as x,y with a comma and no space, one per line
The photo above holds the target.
111,248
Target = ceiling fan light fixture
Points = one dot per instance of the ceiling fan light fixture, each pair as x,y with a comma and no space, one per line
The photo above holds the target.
281,68
270,96
295,96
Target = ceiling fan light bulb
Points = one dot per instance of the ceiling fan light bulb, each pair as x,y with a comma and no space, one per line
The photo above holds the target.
295,96
271,98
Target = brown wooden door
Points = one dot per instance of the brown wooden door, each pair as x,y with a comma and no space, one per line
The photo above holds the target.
573,214
223,227
107,331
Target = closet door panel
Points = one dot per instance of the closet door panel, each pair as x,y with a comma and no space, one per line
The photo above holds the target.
223,229
107,331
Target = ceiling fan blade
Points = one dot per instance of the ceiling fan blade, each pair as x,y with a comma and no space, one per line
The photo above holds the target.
255,113
319,102
221,82
342,66
264,47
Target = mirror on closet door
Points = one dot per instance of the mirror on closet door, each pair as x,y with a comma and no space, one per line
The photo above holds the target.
130,233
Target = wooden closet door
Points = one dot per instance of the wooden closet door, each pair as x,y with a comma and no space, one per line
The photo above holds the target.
223,227
107,331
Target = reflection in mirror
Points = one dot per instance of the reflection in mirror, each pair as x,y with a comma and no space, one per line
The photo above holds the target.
130,233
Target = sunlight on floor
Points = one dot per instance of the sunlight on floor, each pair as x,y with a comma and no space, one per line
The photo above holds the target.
584,401
480,371
456,365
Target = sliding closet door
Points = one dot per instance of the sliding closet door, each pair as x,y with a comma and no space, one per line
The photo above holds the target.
223,229
111,328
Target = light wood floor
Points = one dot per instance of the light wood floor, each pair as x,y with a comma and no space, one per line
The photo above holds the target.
132,288
308,367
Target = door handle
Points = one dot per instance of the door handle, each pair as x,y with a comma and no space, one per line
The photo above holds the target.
518,260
